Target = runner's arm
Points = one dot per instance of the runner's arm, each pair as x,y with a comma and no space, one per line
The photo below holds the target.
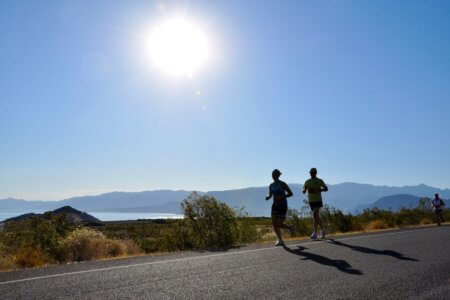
288,190
304,188
324,187
270,194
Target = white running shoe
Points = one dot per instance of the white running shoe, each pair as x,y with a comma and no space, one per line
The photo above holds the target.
279,243
314,236
324,233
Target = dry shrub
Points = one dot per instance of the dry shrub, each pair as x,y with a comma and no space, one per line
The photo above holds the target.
27,256
426,221
87,244
6,262
131,248
116,248
376,225
268,235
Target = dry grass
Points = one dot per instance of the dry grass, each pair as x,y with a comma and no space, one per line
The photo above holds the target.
6,263
426,221
28,257
376,225
87,244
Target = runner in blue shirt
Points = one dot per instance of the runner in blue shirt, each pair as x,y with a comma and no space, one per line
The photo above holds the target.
437,204
280,191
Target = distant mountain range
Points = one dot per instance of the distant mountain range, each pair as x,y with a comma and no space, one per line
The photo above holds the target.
395,202
345,196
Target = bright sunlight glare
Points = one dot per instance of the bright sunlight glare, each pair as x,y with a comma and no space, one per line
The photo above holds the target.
178,47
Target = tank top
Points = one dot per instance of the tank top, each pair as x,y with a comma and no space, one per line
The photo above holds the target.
277,189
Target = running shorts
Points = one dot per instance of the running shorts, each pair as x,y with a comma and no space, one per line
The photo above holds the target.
279,208
315,204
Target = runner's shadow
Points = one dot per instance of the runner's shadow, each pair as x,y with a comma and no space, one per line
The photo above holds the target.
341,265
373,251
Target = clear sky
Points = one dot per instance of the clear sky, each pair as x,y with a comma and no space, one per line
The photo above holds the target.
358,89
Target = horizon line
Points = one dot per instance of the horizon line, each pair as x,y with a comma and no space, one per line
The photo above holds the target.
209,191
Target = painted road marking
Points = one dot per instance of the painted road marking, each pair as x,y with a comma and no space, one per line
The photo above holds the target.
203,256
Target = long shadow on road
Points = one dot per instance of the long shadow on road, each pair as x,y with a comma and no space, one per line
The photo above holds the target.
341,265
372,251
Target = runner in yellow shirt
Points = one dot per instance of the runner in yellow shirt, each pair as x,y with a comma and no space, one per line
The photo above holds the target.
315,186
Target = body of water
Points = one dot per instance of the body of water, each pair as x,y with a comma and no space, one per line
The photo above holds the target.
113,216
104,216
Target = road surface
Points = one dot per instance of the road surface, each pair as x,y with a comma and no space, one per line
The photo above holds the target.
409,263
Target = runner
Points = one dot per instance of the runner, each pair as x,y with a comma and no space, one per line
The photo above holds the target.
437,204
280,192
315,186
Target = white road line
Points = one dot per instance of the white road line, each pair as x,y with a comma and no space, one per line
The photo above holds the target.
202,256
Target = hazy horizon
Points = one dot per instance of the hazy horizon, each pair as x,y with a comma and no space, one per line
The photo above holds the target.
198,190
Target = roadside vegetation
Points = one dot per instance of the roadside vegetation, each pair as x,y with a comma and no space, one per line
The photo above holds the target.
208,224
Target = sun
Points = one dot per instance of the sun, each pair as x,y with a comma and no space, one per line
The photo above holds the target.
178,47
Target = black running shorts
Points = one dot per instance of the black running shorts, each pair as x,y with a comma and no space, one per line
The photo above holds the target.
315,204
279,208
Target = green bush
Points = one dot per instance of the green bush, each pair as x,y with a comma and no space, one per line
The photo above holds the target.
211,222
248,231
40,233
303,225
337,221
177,236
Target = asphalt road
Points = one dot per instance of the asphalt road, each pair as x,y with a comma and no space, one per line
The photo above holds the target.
411,263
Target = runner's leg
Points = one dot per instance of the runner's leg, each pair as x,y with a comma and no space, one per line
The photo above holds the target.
275,227
441,216
281,223
316,219
319,218
436,213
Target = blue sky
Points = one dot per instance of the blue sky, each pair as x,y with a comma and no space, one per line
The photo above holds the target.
358,89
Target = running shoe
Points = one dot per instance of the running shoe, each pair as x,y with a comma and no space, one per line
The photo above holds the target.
279,243
292,230
324,233
314,236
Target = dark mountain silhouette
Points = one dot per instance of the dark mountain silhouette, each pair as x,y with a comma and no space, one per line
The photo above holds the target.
22,217
76,216
72,215
396,202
